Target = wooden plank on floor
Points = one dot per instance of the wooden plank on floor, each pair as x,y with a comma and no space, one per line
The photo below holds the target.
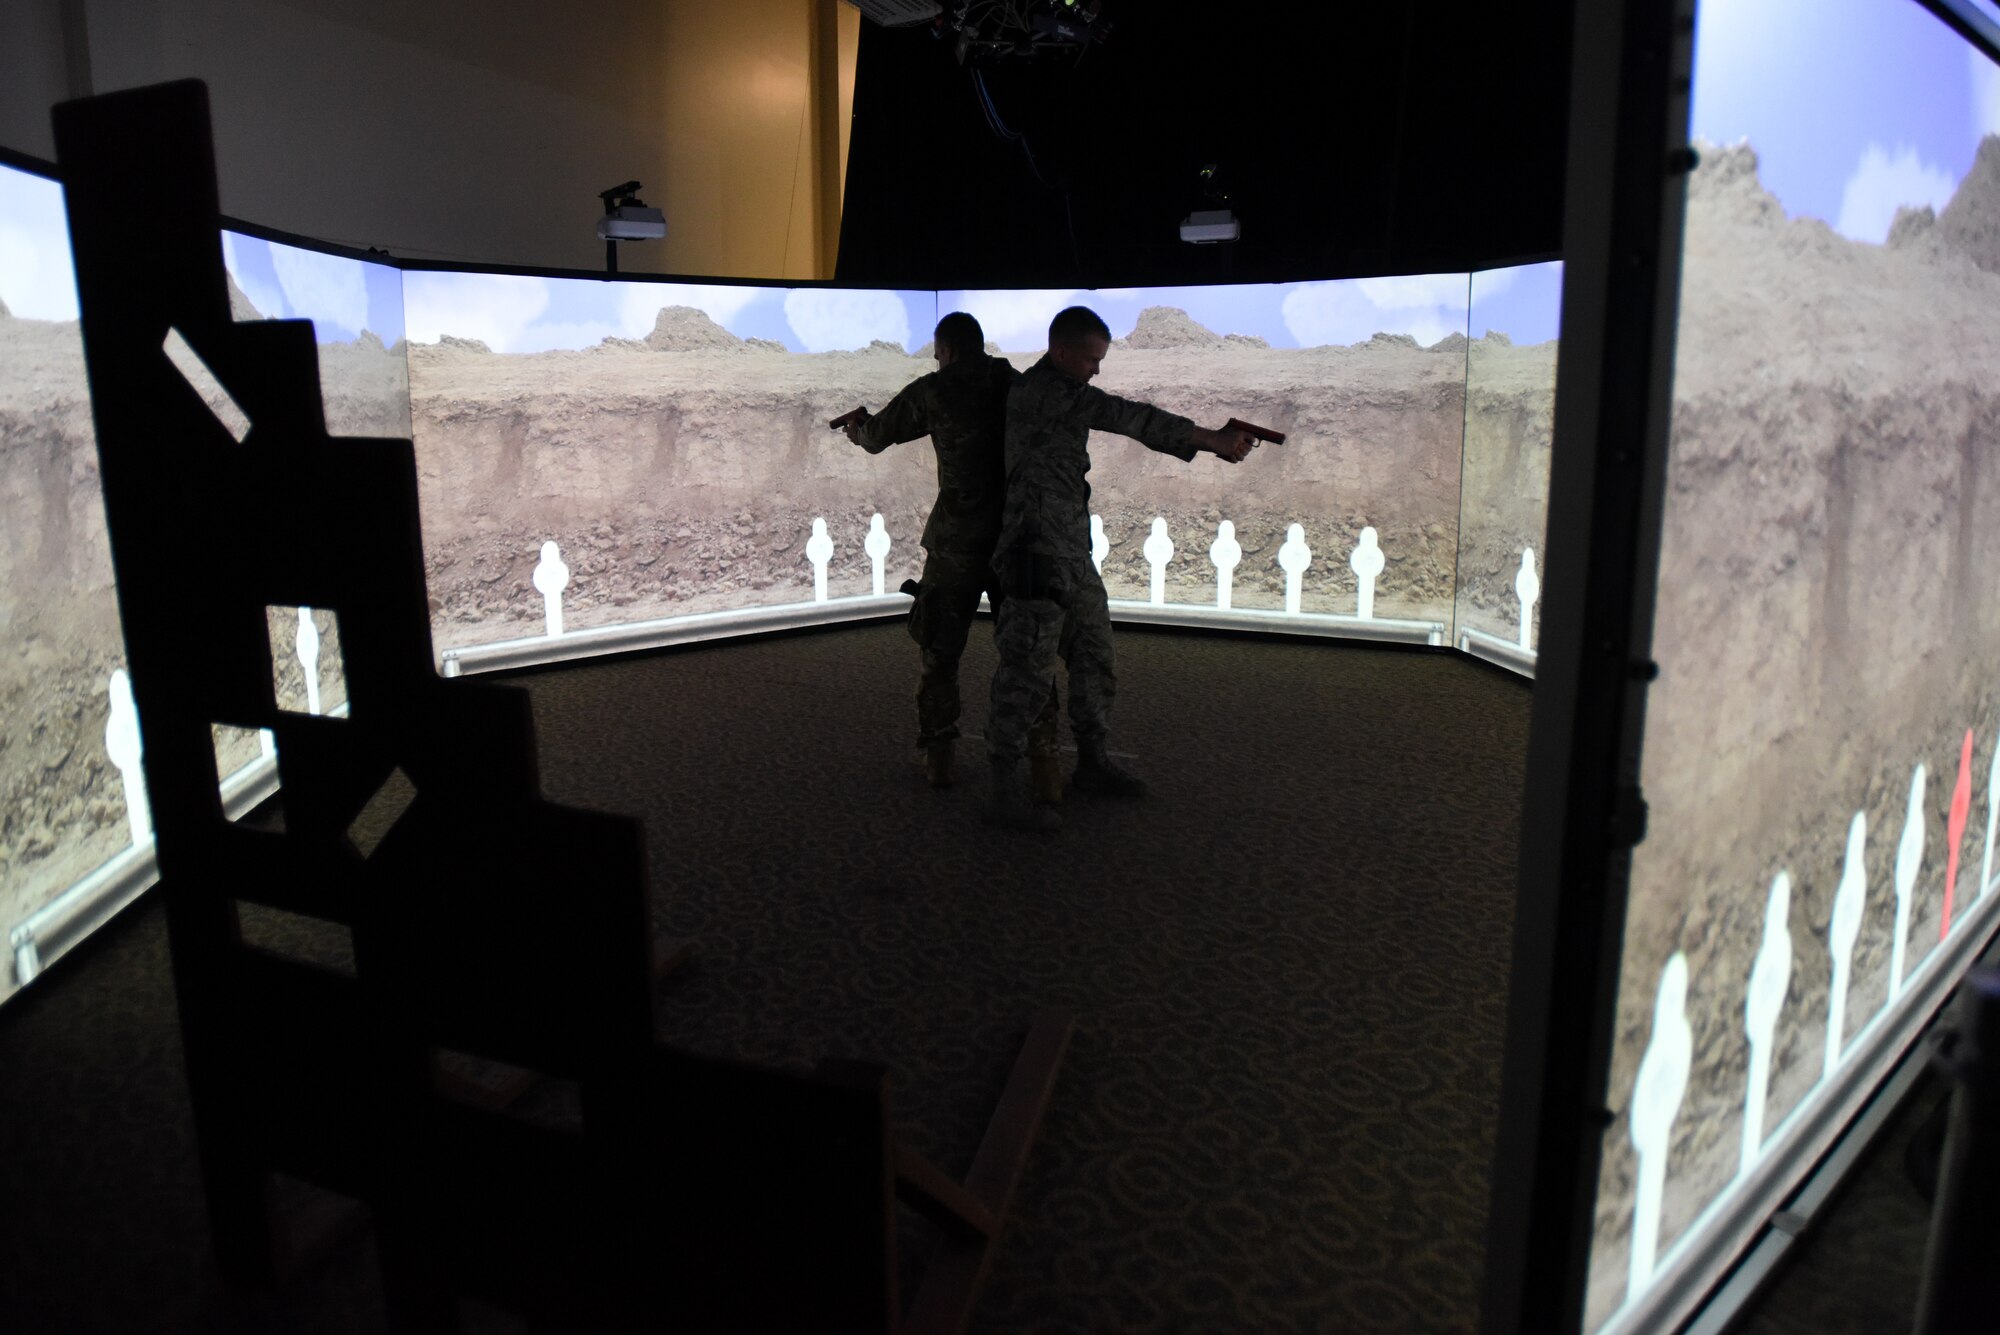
950,1286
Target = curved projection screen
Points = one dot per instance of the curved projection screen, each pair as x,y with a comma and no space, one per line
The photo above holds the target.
1366,377
598,453
357,314
671,440
70,815
1510,401
65,812
1820,746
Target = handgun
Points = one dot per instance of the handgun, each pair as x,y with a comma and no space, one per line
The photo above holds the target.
1260,432
847,419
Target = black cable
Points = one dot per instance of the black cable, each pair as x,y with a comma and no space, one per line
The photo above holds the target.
993,116
999,131
998,124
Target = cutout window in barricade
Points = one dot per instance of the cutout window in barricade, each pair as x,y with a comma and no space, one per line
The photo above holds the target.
308,675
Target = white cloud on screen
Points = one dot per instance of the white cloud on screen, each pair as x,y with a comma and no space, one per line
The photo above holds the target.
1985,93
1411,291
1427,307
1018,321
640,304
828,319
35,277
1492,282
1884,182
268,300
320,287
496,309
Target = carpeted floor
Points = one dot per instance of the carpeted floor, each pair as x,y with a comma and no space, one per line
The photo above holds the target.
1288,966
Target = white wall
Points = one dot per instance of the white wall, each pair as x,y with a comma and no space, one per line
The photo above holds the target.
32,74
475,131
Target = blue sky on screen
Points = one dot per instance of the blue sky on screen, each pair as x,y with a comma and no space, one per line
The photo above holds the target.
1523,302
1854,106
36,279
1285,315
519,313
340,296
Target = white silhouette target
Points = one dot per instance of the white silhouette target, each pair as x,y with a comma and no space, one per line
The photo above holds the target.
1159,550
1656,1103
1100,546
1366,563
1528,588
123,747
1226,553
876,544
819,550
1909,861
551,578
1850,902
306,644
1770,978
1293,558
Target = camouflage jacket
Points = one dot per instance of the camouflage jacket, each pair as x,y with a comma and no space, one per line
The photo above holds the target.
961,407
1050,417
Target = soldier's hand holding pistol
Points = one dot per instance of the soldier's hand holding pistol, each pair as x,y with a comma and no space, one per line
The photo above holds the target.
1231,444
851,422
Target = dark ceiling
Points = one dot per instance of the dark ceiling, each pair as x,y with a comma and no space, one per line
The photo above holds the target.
1355,139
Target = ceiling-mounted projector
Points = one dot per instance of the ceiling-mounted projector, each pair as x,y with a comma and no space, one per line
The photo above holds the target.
632,222
1207,226
627,217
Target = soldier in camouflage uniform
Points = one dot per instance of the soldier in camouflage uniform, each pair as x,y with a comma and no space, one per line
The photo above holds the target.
1055,603
961,406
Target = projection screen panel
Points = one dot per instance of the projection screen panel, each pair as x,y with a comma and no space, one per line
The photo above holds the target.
1510,399
1820,746
671,440
1365,376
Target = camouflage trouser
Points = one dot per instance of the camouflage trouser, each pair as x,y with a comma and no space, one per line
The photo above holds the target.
1055,607
940,620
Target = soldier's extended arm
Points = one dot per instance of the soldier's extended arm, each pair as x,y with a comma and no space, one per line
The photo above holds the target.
903,419
1155,428
1169,433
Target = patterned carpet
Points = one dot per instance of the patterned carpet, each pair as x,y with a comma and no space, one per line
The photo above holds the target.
1288,966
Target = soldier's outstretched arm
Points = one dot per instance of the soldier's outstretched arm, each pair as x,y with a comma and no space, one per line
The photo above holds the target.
905,418
1155,428
1158,429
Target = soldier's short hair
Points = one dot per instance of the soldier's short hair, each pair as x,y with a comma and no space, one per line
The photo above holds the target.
960,333
1077,322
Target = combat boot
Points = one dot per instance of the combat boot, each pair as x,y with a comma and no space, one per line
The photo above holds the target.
1097,773
937,763
1044,766
1010,807
1045,778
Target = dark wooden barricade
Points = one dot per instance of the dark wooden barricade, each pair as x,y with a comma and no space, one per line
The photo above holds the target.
688,1193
